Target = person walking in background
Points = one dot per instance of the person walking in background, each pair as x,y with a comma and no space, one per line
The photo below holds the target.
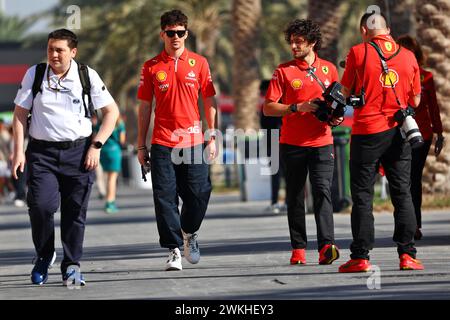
175,78
61,155
269,124
306,143
6,187
428,119
111,162
100,181
389,79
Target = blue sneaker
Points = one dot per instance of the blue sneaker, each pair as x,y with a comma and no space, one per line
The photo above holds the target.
73,277
39,274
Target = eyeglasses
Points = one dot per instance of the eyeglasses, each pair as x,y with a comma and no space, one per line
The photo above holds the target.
179,33
57,84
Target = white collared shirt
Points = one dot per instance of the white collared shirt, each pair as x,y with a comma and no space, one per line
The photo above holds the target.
60,115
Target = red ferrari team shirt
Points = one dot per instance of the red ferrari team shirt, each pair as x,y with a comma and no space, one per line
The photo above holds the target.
175,83
377,114
427,113
292,84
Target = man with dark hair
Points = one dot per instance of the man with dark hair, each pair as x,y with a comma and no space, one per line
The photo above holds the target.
306,143
389,79
174,78
60,156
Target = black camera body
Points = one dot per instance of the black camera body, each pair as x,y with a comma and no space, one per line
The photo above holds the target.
334,104
408,127
356,101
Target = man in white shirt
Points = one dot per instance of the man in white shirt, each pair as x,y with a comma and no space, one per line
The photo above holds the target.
61,156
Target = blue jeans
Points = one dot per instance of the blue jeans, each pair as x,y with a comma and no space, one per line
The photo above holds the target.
189,181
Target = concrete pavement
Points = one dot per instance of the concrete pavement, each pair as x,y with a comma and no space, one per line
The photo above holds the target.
245,255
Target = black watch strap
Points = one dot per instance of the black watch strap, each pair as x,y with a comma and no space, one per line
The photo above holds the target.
97,144
293,107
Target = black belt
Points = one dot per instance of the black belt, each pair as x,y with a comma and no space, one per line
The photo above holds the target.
59,144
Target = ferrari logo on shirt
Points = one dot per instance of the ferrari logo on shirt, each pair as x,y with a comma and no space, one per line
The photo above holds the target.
388,46
296,83
325,69
191,62
161,76
390,79
422,77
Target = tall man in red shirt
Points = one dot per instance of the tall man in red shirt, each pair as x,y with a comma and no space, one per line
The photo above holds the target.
306,142
174,78
376,139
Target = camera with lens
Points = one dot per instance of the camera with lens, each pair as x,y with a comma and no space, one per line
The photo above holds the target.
408,127
334,104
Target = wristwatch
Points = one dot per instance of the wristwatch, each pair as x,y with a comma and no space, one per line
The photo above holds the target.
97,144
293,107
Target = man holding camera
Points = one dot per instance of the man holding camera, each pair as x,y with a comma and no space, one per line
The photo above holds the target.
387,79
306,142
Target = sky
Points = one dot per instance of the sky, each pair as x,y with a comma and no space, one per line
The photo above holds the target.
23,8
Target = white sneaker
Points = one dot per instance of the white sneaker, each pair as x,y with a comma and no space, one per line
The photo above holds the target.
191,250
174,261
274,208
19,203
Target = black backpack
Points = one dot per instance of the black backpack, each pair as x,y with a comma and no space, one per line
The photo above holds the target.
85,83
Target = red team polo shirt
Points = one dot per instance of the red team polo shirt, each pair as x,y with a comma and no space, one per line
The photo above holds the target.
377,114
175,83
292,84
427,113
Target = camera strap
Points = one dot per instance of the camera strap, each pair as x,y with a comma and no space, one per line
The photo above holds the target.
385,68
311,73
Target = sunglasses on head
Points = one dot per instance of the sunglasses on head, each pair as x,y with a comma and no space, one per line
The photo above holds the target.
171,33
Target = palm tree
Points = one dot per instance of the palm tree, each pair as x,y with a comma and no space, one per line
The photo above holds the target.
246,31
328,14
433,31
12,29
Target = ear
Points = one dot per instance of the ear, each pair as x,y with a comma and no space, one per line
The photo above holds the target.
187,33
74,52
161,35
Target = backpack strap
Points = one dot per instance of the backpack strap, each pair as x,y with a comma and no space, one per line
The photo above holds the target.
38,78
37,83
83,72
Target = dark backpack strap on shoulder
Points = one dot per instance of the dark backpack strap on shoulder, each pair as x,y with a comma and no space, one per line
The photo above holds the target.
38,78
83,72
37,83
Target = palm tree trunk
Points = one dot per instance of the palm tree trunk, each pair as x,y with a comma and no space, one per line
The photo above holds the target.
245,16
329,16
433,31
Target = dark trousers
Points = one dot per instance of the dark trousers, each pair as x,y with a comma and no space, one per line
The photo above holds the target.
419,157
56,178
275,180
319,162
366,154
189,181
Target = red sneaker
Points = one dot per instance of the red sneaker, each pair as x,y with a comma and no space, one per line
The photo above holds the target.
298,256
328,254
355,265
409,263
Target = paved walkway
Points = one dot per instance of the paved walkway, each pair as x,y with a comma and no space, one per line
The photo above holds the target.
245,254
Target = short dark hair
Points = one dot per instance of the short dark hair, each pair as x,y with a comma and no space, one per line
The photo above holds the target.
174,18
411,43
305,28
64,34
366,16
